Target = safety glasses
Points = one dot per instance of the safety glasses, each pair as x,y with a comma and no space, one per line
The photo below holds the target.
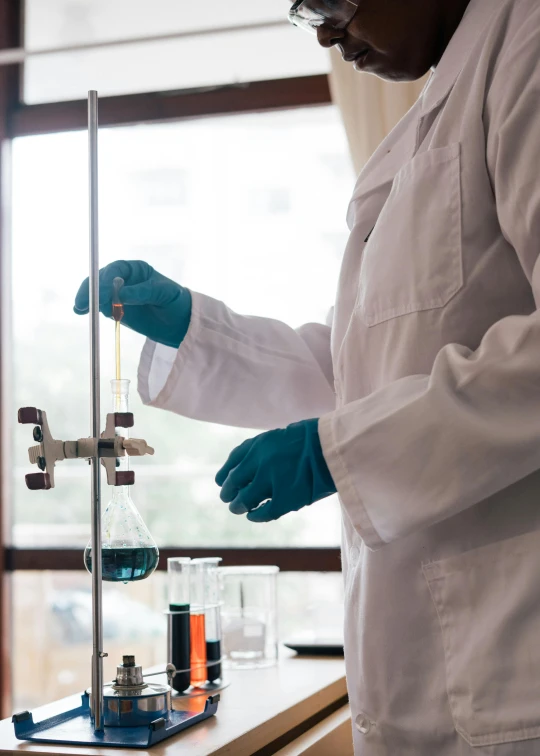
334,14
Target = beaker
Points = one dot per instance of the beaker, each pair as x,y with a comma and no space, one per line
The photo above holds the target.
212,614
249,614
129,552
179,573
197,624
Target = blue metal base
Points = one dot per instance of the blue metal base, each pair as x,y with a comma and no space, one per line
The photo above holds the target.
74,727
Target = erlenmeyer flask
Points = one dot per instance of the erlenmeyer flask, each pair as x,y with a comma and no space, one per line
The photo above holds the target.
128,550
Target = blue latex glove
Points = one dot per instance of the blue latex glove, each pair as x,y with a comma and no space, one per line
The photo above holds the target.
153,304
281,470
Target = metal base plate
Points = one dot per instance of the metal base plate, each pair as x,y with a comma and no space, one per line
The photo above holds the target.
74,727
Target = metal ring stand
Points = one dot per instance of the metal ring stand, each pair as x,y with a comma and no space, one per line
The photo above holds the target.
86,721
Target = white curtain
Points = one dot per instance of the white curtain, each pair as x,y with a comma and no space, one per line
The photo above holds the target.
370,107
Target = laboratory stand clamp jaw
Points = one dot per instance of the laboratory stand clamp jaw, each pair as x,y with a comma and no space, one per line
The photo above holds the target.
108,448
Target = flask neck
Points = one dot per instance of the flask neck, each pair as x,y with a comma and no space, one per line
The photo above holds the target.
120,403
120,395
121,493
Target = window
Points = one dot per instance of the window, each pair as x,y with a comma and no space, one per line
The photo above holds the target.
208,44
159,188
52,631
198,227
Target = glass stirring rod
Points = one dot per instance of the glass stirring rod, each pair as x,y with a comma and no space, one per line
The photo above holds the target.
117,314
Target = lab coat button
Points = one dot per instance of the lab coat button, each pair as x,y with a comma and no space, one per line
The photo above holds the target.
362,724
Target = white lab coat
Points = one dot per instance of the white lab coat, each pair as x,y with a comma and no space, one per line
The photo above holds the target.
428,388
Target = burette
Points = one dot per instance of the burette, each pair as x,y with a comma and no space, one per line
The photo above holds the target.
117,314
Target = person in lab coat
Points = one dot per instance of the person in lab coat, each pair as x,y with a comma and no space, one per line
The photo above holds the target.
421,404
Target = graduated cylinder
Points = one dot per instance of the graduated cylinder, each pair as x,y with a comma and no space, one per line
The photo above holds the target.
197,624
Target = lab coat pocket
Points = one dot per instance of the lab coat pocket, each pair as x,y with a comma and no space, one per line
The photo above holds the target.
488,605
413,258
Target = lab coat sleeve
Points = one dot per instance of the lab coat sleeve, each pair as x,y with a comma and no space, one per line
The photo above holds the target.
243,371
427,447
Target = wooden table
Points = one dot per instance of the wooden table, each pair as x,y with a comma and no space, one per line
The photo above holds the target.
288,709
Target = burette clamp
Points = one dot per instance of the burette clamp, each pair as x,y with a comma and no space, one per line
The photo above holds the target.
48,451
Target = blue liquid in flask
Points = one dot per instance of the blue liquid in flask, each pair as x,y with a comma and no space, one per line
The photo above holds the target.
125,565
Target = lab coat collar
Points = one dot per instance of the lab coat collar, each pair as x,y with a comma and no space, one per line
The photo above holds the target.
473,23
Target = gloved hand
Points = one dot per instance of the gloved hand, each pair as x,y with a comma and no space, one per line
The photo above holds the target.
154,305
285,469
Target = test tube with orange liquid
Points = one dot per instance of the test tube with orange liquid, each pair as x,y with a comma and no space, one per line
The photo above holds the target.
197,625
212,613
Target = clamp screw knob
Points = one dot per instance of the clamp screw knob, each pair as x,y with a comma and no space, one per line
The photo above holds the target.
125,478
41,463
38,481
30,415
38,434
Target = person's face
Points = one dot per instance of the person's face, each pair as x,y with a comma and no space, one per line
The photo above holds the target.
398,40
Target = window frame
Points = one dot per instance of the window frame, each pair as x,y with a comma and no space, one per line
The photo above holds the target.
18,119
295,559
164,106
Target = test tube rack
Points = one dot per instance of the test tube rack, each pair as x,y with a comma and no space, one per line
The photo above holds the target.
87,724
